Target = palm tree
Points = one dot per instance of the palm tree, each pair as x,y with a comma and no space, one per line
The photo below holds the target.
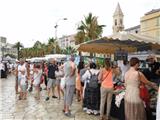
18,45
53,45
51,40
69,50
31,51
89,28
79,37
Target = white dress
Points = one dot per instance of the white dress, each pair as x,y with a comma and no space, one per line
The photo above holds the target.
134,107
23,80
37,78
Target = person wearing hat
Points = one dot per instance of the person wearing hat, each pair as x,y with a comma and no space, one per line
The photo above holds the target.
154,68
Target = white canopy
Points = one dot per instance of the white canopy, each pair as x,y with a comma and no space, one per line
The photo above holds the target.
134,37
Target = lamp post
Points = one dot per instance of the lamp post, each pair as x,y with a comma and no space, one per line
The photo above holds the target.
56,28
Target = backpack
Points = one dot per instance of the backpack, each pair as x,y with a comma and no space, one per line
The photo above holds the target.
93,81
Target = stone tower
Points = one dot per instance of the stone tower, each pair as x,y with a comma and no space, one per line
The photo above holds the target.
118,20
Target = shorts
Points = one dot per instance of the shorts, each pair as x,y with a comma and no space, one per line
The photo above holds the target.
51,83
24,88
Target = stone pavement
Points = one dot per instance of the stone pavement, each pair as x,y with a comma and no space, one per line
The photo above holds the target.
31,109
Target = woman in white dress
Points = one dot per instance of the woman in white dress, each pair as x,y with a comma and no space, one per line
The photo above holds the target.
37,80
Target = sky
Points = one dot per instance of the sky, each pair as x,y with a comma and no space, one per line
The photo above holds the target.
30,20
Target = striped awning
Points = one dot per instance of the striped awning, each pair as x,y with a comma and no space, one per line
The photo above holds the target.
126,41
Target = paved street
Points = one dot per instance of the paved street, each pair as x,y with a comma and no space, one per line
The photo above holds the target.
31,109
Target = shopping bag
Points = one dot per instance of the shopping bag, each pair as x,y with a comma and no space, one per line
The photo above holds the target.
144,94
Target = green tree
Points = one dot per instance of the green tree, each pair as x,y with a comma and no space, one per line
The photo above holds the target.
69,50
18,45
53,45
89,29
51,40
79,37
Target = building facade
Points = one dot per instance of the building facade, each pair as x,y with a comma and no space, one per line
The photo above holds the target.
67,41
150,24
6,48
135,29
149,27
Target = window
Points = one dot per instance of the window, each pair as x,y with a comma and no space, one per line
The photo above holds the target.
115,22
158,21
121,21
158,35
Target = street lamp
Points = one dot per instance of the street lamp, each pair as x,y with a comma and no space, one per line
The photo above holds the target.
56,28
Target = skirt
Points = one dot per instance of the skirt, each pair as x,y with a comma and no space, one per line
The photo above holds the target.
92,98
134,111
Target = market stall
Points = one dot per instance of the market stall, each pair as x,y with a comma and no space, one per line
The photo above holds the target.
126,41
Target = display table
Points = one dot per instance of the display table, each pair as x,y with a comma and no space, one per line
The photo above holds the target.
117,112
3,74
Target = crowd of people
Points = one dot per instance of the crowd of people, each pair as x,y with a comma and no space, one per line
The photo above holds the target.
94,87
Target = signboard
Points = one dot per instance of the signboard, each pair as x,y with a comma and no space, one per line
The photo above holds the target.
121,55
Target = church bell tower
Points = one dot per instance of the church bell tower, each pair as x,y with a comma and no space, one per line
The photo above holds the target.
118,20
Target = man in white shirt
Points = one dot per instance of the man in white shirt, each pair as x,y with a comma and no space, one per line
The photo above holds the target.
124,68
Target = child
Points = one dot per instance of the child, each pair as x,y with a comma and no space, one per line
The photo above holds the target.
23,85
37,80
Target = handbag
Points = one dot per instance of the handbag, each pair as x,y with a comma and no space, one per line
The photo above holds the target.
144,94
42,79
